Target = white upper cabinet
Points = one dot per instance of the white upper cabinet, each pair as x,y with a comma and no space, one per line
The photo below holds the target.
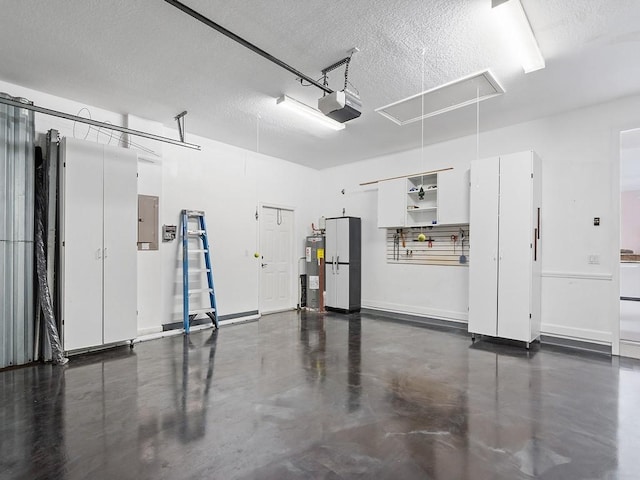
453,197
440,198
392,203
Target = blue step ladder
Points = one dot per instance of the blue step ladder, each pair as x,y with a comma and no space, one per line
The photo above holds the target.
195,218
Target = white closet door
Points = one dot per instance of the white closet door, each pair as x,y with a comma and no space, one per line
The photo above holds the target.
483,268
82,237
120,249
516,238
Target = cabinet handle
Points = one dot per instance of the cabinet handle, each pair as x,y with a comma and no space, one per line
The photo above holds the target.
338,264
98,254
105,253
536,236
333,266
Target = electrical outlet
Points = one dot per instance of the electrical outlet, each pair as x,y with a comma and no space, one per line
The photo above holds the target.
593,259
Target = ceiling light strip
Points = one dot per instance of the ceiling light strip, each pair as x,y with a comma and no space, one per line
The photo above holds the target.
520,33
309,112
95,123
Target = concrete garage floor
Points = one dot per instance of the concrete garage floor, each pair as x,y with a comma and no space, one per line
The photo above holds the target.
297,396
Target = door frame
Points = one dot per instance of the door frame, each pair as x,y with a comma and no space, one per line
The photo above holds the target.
292,254
616,132
617,225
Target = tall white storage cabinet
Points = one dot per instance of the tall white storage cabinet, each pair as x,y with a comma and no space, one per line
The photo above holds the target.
504,273
98,254
343,238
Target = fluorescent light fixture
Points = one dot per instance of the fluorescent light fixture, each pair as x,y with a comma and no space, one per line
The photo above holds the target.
443,98
309,112
520,34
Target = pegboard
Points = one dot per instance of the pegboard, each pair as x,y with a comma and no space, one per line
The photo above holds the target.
403,245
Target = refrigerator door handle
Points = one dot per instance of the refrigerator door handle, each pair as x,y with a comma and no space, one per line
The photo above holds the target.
338,264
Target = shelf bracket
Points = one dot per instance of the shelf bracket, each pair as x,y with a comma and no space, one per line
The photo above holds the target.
180,119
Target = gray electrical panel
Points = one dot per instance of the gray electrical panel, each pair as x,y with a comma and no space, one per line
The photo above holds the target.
314,251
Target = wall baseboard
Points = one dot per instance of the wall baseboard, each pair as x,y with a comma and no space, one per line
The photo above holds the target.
580,334
434,313
575,344
419,319
149,330
574,338
222,320
630,349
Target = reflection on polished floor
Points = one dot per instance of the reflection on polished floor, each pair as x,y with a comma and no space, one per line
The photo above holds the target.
297,396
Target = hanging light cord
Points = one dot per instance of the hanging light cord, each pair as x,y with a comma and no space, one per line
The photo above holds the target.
422,117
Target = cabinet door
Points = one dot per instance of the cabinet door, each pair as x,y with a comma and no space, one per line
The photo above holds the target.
82,236
516,238
120,248
331,236
392,203
330,287
342,287
453,196
342,240
483,268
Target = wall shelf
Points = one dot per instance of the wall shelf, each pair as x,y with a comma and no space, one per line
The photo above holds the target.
421,209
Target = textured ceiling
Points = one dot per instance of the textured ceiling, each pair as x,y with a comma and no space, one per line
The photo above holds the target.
151,60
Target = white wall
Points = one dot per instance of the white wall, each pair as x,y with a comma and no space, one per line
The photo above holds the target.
436,291
579,150
228,183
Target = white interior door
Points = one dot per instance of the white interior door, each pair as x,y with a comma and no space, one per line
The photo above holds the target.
483,268
120,250
276,247
82,237
516,241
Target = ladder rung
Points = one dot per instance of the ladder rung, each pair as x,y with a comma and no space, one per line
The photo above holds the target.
201,290
194,213
196,232
201,310
199,270
198,251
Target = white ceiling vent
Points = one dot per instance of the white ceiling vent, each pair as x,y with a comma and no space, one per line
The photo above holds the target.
447,97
